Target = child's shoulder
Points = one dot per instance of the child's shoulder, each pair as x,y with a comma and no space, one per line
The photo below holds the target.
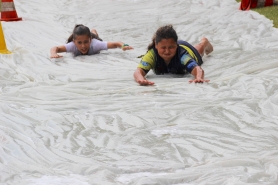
70,43
70,47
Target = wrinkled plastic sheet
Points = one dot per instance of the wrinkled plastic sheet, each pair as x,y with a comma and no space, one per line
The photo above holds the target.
85,121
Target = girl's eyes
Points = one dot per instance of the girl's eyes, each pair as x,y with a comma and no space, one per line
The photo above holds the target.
170,47
85,42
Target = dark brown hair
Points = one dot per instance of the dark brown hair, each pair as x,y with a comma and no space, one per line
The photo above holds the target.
164,32
80,29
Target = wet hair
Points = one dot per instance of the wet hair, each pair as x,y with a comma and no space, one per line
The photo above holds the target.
80,29
164,32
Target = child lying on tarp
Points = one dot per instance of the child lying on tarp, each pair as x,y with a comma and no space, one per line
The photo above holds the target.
85,42
167,54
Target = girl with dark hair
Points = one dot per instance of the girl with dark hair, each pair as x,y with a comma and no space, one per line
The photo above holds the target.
85,42
167,54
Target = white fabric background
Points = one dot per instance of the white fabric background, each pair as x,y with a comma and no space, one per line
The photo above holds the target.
85,121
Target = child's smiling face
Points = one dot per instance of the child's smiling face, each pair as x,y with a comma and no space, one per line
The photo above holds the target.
82,42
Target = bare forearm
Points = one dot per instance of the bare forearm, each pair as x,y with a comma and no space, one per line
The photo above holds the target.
54,50
198,72
139,76
119,44
116,44
199,75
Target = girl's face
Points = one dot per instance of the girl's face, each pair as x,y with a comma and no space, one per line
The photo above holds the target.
166,49
82,42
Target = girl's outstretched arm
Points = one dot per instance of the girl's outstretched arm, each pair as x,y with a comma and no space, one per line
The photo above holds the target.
123,46
199,74
57,49
139,76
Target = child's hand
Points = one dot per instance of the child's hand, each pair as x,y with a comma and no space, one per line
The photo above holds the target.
145,82
55,56
126,47
198,80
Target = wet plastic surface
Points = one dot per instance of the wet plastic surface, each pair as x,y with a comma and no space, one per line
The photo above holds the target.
85,121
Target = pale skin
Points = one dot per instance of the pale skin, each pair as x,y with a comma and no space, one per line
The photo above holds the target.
166,49
82,42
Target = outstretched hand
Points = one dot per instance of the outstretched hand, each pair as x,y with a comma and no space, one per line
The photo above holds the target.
198,80
139,76
199,74
127,48
145,82
56,56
